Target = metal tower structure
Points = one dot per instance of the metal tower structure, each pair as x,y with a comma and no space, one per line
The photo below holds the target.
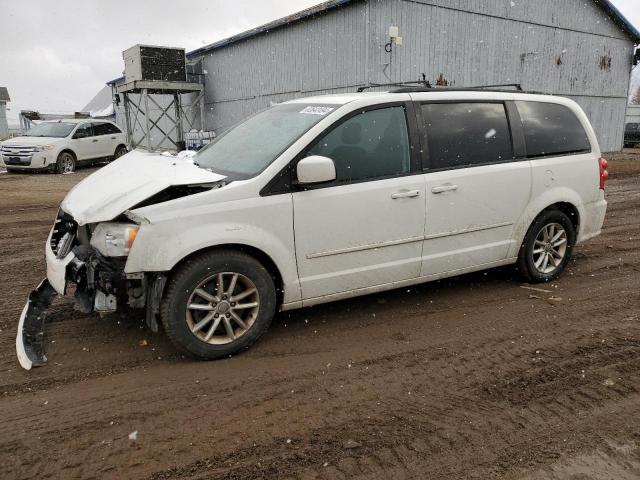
138,113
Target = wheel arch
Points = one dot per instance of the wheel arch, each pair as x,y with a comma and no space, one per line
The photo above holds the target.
67,150
252,251
565,201
569,209
566,207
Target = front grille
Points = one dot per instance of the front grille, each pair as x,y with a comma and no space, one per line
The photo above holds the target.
17,151
63,237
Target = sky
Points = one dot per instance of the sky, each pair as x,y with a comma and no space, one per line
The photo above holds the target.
55,55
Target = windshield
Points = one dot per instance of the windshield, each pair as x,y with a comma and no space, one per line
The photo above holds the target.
51,129
250,147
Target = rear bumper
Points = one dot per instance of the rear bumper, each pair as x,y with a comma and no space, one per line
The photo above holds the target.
593,219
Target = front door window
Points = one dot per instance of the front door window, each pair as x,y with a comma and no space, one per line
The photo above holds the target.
372,144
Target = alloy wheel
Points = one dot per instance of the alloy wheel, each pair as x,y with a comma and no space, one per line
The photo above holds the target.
66,163
550,248
222,308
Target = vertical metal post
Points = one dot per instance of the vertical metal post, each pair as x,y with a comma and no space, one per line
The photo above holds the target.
177,100
203,121
127,120
145,93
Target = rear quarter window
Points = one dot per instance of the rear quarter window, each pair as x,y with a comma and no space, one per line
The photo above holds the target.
551,129
111,129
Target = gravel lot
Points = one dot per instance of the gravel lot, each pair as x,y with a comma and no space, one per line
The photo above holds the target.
472,377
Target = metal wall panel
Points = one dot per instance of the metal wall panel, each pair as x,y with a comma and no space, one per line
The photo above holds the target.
321,53
593,69
583,15
565,47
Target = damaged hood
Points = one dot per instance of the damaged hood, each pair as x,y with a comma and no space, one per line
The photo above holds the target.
128,181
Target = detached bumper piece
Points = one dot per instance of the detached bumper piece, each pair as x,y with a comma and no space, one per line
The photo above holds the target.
30,337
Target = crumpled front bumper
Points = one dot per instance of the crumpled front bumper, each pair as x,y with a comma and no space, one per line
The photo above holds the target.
80,266
30,336
57,268
100,286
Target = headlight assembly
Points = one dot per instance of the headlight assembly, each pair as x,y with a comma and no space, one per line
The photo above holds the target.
43,148
114,239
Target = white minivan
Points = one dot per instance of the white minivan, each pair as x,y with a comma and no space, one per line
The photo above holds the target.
60,145
321,199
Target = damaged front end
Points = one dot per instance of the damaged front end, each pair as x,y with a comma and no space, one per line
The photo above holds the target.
98,282
89,244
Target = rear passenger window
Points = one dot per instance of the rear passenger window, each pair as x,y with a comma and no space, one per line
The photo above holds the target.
100,129
111,128
371,144
551,129
466,134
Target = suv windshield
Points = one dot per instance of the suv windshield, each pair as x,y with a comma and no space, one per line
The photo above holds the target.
250,147
51,129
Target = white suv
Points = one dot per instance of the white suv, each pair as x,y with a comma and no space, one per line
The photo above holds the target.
321,199
60,145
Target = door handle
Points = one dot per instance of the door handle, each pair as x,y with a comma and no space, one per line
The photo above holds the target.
406,194
94,140
444,188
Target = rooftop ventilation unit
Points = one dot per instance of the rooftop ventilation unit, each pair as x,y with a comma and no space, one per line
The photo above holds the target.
148,63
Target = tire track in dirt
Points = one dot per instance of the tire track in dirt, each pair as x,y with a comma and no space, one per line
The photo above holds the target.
471,377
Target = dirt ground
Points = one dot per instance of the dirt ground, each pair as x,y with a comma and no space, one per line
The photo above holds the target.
472,377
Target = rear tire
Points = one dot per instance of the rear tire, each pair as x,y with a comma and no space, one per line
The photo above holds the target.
227,319
547,247
120,151
66,163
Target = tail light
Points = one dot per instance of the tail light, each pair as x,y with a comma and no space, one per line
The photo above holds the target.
604,173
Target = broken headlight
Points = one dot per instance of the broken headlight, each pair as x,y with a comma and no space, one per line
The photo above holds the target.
114,239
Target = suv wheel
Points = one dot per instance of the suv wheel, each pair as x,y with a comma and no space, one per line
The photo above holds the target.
66,163
218,304
547,247
120,151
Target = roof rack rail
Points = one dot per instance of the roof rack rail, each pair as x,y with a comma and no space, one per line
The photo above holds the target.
421,83
493,88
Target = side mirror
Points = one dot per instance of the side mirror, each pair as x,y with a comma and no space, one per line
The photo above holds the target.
316,169
80,134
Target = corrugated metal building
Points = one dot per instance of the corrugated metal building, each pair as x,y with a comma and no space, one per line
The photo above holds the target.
4,127
582,49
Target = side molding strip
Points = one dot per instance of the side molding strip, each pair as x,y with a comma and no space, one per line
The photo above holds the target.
405,240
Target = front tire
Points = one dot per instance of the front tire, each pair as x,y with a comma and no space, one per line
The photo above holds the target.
218,304
547,247
66,163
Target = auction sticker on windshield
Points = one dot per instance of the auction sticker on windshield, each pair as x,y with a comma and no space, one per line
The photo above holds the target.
317,110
